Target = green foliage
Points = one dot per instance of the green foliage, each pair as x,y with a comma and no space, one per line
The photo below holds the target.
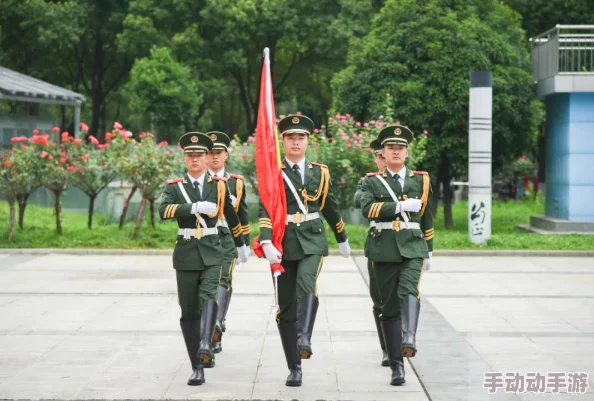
148,165
422,53
165,89
222,42
539,16
21,168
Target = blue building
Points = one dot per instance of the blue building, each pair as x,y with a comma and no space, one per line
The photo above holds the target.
563,70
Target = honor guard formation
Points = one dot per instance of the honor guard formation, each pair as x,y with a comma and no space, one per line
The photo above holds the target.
209,204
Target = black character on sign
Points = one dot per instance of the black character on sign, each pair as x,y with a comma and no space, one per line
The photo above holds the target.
477,218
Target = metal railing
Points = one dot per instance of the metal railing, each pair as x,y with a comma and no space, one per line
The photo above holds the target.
564,49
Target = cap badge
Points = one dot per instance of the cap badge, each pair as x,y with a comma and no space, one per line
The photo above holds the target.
194,139
295,120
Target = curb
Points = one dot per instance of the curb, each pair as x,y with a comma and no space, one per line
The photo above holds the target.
333,252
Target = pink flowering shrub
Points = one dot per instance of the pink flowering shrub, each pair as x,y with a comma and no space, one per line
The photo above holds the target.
343,145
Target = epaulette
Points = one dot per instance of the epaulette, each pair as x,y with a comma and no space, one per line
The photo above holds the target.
372,174
174,180
216,177
236,176
421,172
319,164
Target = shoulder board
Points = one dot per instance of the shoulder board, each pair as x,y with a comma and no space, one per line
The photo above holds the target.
236,176
319,164
372,174
174,180
421,172
218,178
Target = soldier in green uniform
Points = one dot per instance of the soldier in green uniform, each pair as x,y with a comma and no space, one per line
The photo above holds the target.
373,288
399,244
309,195
216,167
197,201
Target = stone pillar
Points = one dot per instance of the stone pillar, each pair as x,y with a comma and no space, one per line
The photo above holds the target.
479,156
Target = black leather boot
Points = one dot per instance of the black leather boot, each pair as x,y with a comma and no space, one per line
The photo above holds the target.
229,293
191,333
207,323
410,309
393,338
288,335
217,337
380,334
307,308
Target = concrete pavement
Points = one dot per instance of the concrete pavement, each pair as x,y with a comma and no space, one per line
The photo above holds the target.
106,327
504,314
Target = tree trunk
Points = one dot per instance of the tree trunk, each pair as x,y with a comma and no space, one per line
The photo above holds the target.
125,209
57,208
445,179
92,197
140,213
448,218
152,208
22,200
97,88
251,110
12,220
435,196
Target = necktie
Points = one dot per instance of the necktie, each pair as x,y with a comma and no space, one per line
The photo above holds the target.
197,187
296,170
397,178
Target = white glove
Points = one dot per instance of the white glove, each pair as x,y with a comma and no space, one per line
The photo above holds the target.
206,207
242,253
344,248
234,200
409,205
427,262
272,254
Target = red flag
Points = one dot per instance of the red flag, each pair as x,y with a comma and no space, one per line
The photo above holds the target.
268,164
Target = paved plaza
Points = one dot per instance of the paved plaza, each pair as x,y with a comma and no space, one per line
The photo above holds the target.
106,327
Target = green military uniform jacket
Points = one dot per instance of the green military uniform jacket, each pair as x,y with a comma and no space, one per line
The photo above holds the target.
308,237
377,205
357,199
236,184
196,254
236,187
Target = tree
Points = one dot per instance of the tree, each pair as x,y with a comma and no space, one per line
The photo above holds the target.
92,170
147,167
165,89
222,41
31,166
59,159
539,16
422,53
101,65
31,39
12,176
